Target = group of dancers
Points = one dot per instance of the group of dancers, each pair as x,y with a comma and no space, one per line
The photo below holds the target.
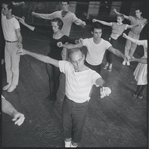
65,57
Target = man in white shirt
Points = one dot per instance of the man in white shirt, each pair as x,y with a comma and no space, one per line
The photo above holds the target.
79,81
13,41
96,47
65,15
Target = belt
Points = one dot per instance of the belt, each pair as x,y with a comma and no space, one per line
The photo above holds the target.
10,41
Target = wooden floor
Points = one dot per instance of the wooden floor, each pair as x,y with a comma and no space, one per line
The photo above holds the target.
119,120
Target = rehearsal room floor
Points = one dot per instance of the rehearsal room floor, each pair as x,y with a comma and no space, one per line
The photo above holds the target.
119,120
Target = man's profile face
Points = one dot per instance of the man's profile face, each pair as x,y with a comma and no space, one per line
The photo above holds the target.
5,10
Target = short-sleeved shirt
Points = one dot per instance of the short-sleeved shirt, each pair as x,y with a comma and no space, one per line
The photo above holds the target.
117,29
95,52
68,19
9,27
78,84
137,29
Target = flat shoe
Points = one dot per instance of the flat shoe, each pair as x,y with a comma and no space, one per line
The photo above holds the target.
6,87
11,88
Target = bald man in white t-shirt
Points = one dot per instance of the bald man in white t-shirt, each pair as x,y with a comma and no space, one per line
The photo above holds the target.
79,81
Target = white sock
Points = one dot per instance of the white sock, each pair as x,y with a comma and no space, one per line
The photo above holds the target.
67,143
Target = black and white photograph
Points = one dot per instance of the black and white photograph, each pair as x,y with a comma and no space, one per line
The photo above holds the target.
74,74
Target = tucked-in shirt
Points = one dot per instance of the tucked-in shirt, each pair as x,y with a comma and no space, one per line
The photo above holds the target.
141,23
9,27
55,51
95,52
78,84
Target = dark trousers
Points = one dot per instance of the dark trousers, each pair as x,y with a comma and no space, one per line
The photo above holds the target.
97,68
109,55
54,82
74,116
140,89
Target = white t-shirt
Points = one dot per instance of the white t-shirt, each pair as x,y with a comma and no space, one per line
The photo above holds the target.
95,52
78,84
68,19
9,26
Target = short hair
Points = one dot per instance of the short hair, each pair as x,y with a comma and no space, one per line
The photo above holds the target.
139,8
8,3
121,15
71,51
59,22
96,25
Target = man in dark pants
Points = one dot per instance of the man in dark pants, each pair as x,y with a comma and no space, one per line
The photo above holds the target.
79,81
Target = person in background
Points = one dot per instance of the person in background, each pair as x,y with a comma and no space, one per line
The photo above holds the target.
117,29
140,72
55,52
96,48
66,16
130,47
13,41
8,108
68,19
79,81
2,36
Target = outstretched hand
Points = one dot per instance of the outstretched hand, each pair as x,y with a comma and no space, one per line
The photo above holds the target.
18,118
83,24
94,20
81,40
60,44
114,10
21,52
33,13
105,91
132,59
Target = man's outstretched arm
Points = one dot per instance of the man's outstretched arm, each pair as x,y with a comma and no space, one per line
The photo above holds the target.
43,16
118,13
8,108
40,57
